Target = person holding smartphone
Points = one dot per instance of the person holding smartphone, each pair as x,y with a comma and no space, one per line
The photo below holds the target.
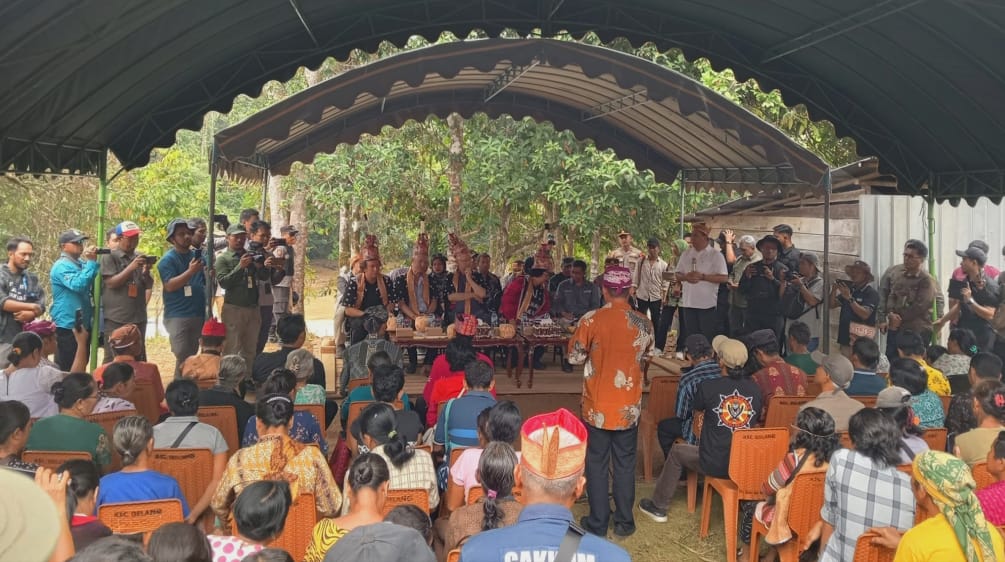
125,279
72,282
182,272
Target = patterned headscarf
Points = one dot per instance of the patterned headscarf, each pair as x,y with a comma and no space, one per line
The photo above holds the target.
949,483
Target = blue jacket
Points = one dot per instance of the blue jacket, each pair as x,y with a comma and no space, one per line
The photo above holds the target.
536,536
72,288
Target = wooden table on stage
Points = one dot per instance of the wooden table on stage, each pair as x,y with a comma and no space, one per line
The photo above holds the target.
534,342
440,342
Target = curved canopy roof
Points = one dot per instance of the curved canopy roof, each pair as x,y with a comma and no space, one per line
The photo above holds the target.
917,83
661,119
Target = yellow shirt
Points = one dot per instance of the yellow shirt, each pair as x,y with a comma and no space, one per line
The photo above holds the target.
933,540
326,533
937,382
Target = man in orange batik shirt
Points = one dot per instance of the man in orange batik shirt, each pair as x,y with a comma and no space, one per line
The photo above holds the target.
611,342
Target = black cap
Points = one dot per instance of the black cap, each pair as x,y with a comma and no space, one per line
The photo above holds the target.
697,346
174,225
72,235
974,253
289,229
783,228
653,243
567,261
761,338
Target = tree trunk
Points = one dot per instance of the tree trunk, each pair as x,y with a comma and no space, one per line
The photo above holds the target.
357,229
500,242
456,125
277,204
298,216
595,255
344,235
556,229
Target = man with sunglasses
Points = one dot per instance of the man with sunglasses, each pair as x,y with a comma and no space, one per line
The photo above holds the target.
72,282
907,294
21,297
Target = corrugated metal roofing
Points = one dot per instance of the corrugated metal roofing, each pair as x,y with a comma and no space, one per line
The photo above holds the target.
677,122
916,83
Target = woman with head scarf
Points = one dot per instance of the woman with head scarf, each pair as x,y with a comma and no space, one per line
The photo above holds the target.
958,532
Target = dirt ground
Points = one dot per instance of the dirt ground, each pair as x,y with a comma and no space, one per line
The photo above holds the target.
674,541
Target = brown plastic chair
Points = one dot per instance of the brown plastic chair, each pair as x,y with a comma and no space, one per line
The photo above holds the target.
356,383
754,454
865,551
804,511
144,397
355,409
845,440
52,459
981,475
868,400
317,410
418,497
300,521
697,422
782,410
662,404
140,517
205,384
476,493
455,453
224,418
454,555
813,388
192,468
945,408
936,438
107,421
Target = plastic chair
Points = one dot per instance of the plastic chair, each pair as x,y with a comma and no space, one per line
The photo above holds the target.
140,517
845,440
454,555
782,410
477,493
355,409
804,511
697,422
52,459
936,438
865,551
205,384
981,475
192,468
869,401
754,454
945,408
144,397
224,418
107,421
300,521
317,410
418,497
813,388
427,448
662,404
356,383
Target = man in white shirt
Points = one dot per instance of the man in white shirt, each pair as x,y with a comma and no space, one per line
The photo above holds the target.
701,268
651,286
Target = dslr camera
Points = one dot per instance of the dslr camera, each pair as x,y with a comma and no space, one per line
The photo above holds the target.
257,252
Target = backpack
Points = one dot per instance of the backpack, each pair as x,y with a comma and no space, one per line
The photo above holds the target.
793,304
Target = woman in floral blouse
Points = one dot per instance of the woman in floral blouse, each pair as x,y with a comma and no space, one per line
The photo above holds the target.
277,457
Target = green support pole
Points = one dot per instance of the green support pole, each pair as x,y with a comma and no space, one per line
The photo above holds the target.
99,235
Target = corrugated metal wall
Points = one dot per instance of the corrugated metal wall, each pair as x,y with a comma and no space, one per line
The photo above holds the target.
888,221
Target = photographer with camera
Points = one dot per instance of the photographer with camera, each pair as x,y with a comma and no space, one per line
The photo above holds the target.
125,279
261,246
281,292
72,281
182,273
21,297
761,284
238,271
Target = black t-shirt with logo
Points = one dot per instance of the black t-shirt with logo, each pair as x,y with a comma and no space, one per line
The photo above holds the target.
728,404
